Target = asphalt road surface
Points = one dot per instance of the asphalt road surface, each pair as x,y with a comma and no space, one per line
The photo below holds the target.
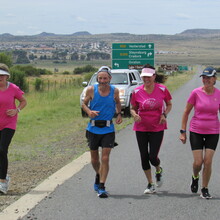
76,200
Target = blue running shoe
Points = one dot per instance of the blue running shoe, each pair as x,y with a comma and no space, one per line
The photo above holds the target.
102,193
96,187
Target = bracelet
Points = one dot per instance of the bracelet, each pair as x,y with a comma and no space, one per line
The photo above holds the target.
18,109
118,113
165,115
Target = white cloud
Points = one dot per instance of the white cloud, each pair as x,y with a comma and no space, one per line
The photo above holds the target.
33,27
183,16
78,18
10,15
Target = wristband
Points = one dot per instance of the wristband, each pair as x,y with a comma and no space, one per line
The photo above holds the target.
165,115
118,113
182,131
18,109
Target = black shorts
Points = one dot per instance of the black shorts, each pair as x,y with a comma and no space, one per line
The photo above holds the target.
100,140
200,141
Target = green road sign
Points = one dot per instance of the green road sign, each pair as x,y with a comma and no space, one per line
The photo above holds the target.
130,64
132,55
133,46
182,68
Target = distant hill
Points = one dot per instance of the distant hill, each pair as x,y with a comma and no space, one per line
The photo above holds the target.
201,32
81,33
187,33
6,35
45,34
85,37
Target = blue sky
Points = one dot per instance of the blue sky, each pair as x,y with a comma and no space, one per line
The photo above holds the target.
28,17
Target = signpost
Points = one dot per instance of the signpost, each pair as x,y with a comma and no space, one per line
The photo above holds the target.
132,55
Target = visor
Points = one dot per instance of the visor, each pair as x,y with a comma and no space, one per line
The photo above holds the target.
147,72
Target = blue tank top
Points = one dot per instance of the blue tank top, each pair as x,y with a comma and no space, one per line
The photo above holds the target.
106,105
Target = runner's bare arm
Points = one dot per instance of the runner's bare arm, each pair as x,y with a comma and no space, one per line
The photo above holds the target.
88,97
186,113
118,107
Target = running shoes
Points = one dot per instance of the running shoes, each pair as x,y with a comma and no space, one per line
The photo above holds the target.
96,187
195,184
4,185
96,184
158,175
150,189
102,193
205,193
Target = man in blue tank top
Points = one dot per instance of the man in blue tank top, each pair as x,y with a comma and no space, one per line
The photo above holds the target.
104,103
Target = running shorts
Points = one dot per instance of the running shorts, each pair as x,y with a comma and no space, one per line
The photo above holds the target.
201,141
100,140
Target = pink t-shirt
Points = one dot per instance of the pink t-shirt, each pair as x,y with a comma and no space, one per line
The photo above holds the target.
150,107
206,107
7,101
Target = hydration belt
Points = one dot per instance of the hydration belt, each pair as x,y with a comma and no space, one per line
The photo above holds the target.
101,123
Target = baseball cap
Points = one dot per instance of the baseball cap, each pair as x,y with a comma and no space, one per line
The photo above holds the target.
105,69
209,71
147,72
3,72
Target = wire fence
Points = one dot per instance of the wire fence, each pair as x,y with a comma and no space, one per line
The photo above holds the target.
49,85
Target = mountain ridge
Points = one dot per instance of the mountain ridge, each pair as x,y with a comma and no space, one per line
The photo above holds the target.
193,32
201,31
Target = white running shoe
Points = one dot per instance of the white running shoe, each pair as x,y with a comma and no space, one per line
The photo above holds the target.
150,189
4,186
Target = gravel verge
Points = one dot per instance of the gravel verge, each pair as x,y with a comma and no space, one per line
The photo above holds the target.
26,175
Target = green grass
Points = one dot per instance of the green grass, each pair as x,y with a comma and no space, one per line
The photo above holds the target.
48,118
175,81
46,109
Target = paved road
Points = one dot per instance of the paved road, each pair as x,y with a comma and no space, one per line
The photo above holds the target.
76,200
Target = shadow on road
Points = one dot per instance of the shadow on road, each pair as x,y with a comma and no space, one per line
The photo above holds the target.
160,194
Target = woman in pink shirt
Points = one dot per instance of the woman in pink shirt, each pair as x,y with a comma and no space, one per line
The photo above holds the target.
9,92
151,102
204,128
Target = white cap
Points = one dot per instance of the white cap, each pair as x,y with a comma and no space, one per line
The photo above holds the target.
147,72
105,69
3,72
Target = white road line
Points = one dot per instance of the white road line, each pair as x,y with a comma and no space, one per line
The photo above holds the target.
22,206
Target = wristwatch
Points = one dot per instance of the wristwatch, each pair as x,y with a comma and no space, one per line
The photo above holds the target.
165,115
182,131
